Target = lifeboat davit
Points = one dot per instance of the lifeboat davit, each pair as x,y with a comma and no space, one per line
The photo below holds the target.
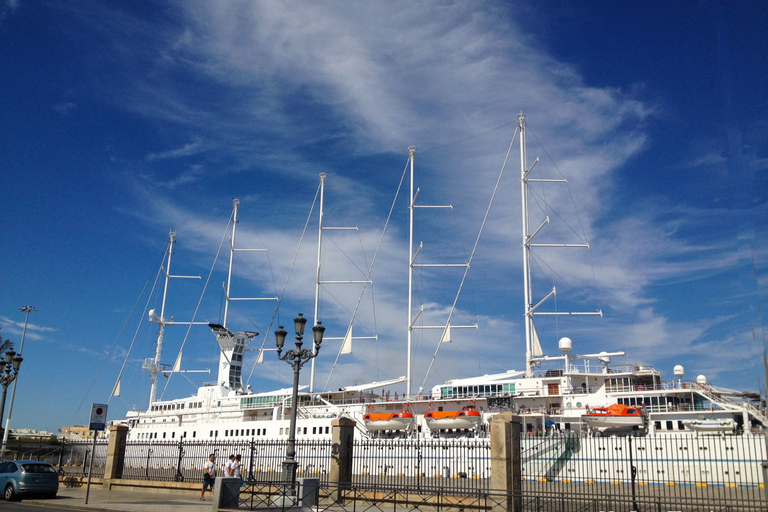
376,422
615,416
466,418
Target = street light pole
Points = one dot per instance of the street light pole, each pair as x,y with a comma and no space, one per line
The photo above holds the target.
11,370
296,358
27,310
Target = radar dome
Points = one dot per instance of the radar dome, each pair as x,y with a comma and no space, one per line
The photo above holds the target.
701,379
679,371
152,313
565,345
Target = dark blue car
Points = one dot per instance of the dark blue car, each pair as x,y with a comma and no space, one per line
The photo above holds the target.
20,478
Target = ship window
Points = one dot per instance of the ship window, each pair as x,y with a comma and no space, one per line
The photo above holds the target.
211,434
163,435
305,430
194,433
281,431
326,429
216,433
173,435
314,430
680,425
669,425
658,425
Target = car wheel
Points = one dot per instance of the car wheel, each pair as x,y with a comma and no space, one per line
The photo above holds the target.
9,494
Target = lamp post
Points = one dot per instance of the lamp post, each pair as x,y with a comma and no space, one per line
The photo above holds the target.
296,358
11,370
27,310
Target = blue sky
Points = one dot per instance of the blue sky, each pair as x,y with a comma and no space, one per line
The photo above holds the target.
125,120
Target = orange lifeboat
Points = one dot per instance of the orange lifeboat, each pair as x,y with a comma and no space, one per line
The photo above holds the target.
615,416
376,422
467,418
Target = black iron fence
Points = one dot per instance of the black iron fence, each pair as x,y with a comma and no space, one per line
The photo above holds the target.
674,472
398,498
183,461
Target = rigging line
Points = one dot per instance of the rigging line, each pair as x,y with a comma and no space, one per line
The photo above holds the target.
357,267
581,237
471,256
276,312
539,261
203,224
570,192
370,269
422,292
578,216
342,306
471,137
149,298
199,301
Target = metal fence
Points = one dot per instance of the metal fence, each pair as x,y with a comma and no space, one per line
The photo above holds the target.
73,458
394,498
458,464
674,472
183,461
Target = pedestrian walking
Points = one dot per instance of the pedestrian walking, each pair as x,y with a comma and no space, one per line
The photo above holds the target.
228,465
236,466
209,475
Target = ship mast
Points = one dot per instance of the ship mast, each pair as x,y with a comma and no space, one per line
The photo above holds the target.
446,328
346,347
153,365
533,352
232,345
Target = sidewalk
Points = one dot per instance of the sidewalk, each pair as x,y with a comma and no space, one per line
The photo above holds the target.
122,500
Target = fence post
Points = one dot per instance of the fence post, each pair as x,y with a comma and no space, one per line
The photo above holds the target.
113,469
506,463
340,474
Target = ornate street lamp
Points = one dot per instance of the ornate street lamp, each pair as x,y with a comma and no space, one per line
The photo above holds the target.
296,358
27,310
12,365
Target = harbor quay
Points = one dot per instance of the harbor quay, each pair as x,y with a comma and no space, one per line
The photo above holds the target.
505,471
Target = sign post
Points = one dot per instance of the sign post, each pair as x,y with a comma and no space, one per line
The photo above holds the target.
98,423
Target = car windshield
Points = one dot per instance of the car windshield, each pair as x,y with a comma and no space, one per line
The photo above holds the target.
37,468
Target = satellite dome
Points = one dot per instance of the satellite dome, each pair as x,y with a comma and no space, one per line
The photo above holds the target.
679,370
565,345
701,379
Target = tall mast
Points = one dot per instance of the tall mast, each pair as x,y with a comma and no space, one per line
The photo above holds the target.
317,276
526,250
411,206
445,328
533,351
236,204
154,366
233,345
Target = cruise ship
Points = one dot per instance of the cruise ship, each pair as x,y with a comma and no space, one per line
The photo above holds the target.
568,391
